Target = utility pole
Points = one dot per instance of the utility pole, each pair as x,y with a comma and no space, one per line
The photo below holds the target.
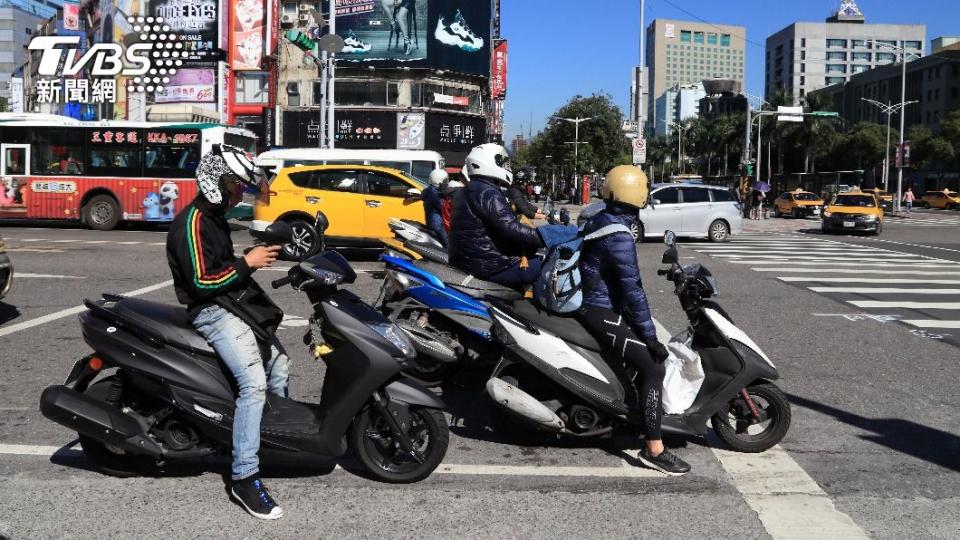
680,129
903,106
576,142
331,81
888,110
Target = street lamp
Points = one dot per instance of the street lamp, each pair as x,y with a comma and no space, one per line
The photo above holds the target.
887,109
758,116
680,129
576,148
903,105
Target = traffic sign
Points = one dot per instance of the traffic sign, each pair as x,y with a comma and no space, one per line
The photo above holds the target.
639,151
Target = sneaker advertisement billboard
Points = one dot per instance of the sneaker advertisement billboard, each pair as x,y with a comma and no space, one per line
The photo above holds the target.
451,35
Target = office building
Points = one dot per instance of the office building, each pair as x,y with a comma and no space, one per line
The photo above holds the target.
806,56
677,104
18,22
684,52
945,43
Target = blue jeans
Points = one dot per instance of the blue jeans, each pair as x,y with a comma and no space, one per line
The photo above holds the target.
909,206
239,350
435,223
515,277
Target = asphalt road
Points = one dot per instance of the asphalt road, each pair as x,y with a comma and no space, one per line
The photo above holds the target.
874,449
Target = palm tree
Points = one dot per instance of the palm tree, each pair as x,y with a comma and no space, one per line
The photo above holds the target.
815,131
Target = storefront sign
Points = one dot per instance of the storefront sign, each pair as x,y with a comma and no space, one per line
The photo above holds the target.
189,86
450,132
248,35
498,71
444,99
354,129
411,131
195,22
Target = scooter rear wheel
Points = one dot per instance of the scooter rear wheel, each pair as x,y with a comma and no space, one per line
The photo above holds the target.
108,459
373,443
736,426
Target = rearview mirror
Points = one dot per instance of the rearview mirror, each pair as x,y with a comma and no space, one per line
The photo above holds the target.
670,238
413,192
277,233
321,223
564,216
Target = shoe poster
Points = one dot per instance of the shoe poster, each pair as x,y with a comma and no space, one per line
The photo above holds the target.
460,36
384,31
411,131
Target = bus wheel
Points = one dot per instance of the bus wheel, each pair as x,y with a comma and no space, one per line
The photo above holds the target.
101,213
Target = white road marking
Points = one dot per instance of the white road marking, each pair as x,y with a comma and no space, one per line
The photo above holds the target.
5,331
62,241
97,241
916,245
842,262
34,250
881,290
31,450
823,279
873,257
788,502
905,305
932,323
858,271
127,243
22,275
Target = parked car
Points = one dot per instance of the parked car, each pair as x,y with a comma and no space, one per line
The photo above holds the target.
797,204
853,211
944,200
6,270
690,210
357,200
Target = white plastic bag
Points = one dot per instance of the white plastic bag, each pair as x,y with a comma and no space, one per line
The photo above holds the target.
684,375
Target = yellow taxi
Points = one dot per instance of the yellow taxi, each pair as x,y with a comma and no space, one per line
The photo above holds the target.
853,211
885,198
944,200
357,200
797,204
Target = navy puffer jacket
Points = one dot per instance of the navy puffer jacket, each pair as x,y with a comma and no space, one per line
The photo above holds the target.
485,236
611,276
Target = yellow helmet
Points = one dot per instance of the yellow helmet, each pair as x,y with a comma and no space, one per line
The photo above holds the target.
626,184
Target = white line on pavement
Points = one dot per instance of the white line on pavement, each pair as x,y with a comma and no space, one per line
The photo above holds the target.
823,279
932,323
875,257
915,245
34,250
97,241
5,331
856,271
841,262
881,290
905,305
788,502
22,275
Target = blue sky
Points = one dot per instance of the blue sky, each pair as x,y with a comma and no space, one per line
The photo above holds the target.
559,48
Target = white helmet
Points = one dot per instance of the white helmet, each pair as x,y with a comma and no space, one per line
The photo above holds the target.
437,177
489,160
225,164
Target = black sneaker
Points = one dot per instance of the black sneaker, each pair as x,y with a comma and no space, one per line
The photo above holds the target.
665,462
254,497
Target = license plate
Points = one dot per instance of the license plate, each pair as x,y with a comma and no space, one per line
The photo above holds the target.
849,224
816,211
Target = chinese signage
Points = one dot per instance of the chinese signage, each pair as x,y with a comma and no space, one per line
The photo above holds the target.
16,94
411,131
248,35
195,22
189,86
366,129
53,187
444,99
114,137
498,71
454,133
76,91
669,30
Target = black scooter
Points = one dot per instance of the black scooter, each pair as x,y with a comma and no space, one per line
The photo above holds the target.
168,396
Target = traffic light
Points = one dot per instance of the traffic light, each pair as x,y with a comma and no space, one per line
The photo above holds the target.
748,169
301,40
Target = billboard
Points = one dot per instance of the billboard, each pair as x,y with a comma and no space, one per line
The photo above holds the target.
189,86
454,133
249,29
71,16
452,35
195,23
498,71
411,131
354,129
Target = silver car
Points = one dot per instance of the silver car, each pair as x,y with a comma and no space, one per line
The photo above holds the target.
690,210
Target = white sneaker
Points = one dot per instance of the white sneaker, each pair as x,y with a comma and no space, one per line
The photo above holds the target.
458,34
354,45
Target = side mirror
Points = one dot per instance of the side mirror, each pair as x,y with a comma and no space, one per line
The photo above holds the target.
670,238
321,223
654,202
564,216
413,193
277,233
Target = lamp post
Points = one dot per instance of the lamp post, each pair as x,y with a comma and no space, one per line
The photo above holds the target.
887,109
576,137
903,105
680,130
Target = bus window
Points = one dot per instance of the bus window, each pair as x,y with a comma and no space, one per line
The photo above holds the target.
57,151
171,161
421,170
399,165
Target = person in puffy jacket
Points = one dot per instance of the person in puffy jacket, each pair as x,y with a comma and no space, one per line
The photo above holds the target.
486,239
615,310
433,205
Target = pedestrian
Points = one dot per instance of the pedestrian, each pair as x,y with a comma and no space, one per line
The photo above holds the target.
537,189
908,198
756,204
573,193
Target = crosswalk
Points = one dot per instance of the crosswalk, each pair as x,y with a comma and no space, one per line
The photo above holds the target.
921,292
951,219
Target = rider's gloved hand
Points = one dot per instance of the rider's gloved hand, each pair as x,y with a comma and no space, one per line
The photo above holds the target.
657,350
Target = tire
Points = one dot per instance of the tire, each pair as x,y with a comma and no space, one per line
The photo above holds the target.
719,231
636,229
305,241
102,212
777,408
107,459
371,440
777,212
797,214
878,230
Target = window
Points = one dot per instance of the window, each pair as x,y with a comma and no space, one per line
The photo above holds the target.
386,186
698,37
695,195
836,68
721,195
803,55
859,68
803,42
293,94
891,42
668,195
685,36
115,161
885,57
912,45
803,68
421,170
835,80
836,43
345,181
834,55
251,87
361,93
171,161
711,39
803,81
861,44
861,56
725,40
290,9
57,152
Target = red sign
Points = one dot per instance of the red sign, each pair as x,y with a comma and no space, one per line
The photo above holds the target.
248,35
462,101
115,137
498,71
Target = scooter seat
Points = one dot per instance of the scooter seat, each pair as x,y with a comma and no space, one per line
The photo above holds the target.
567,328
467,284
169,323
428,251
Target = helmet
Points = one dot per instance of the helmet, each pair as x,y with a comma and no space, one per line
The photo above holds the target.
223,165
437,177
489,160
626,184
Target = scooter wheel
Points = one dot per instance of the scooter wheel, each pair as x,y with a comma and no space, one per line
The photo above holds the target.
110,460
735,425
373,444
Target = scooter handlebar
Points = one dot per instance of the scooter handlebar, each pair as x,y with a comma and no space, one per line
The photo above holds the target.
277,283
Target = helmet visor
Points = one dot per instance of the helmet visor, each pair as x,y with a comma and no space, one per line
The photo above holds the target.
503,161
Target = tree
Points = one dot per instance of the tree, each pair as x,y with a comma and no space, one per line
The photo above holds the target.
816,135
862,147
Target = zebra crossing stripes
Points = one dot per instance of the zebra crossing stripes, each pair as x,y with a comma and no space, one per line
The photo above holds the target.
933,221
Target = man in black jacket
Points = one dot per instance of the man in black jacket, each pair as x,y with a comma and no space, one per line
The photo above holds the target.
230,310
486,239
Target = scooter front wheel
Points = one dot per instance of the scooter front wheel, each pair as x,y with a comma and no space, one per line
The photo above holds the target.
374,445
738,427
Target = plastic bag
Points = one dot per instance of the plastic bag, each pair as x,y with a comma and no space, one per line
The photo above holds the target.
684,376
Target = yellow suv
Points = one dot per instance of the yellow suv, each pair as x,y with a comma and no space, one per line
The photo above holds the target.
357,200
944,200
853,211
797,204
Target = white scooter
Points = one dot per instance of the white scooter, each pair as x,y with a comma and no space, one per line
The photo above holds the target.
554,377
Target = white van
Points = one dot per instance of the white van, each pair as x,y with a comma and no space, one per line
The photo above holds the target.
416,163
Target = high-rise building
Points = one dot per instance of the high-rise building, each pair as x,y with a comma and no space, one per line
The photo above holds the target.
18,22
684,52
806,56
678,103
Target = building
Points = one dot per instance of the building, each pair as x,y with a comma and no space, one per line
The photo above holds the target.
684,52
723,97
933,81
806,56
677,104
18,22
518,144
945,43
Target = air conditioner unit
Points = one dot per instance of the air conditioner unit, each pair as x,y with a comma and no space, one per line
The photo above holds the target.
305,7
304,18
286,21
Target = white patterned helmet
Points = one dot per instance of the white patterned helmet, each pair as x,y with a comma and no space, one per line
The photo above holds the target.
224,164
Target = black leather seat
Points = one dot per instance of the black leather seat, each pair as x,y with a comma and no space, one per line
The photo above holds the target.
469,285
428,251
169,323
566,328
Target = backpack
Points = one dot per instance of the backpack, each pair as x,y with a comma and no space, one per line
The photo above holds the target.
559,288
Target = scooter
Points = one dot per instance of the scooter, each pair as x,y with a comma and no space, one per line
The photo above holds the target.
554,377
168,397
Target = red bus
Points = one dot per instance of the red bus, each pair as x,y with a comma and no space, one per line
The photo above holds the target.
101,173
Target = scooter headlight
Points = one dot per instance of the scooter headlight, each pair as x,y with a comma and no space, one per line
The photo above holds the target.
405,281
396,337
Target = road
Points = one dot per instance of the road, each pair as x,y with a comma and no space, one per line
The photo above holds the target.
874,450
